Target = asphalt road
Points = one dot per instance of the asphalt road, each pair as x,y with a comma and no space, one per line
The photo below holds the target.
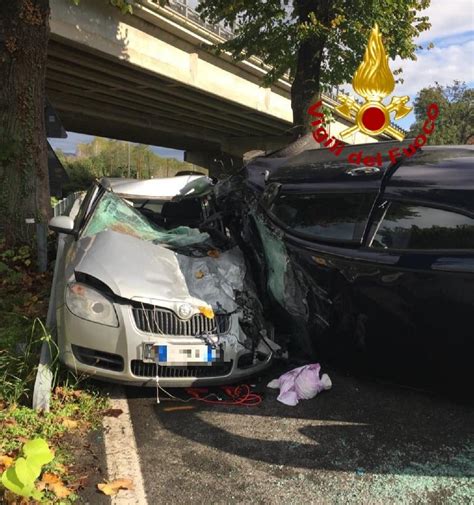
361,442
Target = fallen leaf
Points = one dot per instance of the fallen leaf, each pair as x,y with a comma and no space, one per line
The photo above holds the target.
60,490
112,488
69,423
59,391
67,393
199,274
112,412
6,461
50,478
54,484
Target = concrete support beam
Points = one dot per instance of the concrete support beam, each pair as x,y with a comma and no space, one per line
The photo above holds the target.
151,44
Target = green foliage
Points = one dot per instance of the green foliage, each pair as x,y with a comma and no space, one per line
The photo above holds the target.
275,31
126,6
110,158
24,297
454,124
84,406
21,477
23,302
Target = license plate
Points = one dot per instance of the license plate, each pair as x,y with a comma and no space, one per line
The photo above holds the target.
172,354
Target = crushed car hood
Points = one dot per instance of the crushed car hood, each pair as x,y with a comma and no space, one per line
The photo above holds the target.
138,269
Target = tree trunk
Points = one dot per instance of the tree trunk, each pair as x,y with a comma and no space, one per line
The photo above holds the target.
306,87
24,193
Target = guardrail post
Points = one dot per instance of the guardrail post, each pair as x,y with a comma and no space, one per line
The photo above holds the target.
44,374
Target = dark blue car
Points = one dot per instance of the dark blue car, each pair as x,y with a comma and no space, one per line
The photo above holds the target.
371,267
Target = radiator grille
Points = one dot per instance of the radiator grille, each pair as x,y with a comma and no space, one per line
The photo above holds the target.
142,369
163,321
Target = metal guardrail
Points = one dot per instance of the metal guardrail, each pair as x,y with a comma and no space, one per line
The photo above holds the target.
65,204
181,7
44,374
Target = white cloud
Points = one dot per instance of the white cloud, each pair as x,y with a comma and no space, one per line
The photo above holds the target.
440,64
448,18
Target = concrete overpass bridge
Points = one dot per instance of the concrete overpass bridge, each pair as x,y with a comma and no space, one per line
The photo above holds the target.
150,78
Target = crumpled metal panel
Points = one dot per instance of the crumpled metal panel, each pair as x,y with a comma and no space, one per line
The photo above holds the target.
215,279
138,269
132,267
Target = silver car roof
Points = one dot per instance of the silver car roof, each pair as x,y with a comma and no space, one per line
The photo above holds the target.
159,188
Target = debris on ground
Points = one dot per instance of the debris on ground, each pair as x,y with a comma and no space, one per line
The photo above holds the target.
302,383
112,488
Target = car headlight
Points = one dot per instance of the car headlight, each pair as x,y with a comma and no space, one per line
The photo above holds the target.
185,311
89,304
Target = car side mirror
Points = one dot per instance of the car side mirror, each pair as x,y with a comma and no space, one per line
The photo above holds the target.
62,224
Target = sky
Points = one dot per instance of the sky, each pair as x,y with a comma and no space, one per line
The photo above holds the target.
452,33
452,58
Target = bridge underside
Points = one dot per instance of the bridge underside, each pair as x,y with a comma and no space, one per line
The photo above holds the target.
151,78
96,95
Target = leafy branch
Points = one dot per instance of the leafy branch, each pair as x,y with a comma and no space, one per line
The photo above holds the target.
20,478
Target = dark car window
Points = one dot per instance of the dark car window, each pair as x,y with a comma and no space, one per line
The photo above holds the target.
332,216
407,226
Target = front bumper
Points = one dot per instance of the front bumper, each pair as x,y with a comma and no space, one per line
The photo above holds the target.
117,354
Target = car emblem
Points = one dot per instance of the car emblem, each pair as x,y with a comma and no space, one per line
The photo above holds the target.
373,81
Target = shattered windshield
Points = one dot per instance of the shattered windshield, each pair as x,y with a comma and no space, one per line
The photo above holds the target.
113,213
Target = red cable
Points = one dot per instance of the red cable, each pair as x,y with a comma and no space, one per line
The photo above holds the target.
240,395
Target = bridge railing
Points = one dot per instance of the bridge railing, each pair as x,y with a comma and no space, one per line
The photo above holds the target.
181,7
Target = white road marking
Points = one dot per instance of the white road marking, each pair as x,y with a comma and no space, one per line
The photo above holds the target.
121,451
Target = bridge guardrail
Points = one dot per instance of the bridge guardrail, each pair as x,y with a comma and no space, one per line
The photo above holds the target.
181,7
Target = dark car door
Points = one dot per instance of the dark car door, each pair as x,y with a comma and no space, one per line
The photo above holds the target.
395,297
417,294
311,239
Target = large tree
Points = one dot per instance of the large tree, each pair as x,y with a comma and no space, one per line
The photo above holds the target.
24,189
320,42
455,123
24,185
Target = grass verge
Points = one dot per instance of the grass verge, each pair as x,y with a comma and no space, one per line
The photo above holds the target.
75,407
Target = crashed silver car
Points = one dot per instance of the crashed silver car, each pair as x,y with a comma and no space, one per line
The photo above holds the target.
150,286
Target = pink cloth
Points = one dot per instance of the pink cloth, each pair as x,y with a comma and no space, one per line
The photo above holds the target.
300,383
